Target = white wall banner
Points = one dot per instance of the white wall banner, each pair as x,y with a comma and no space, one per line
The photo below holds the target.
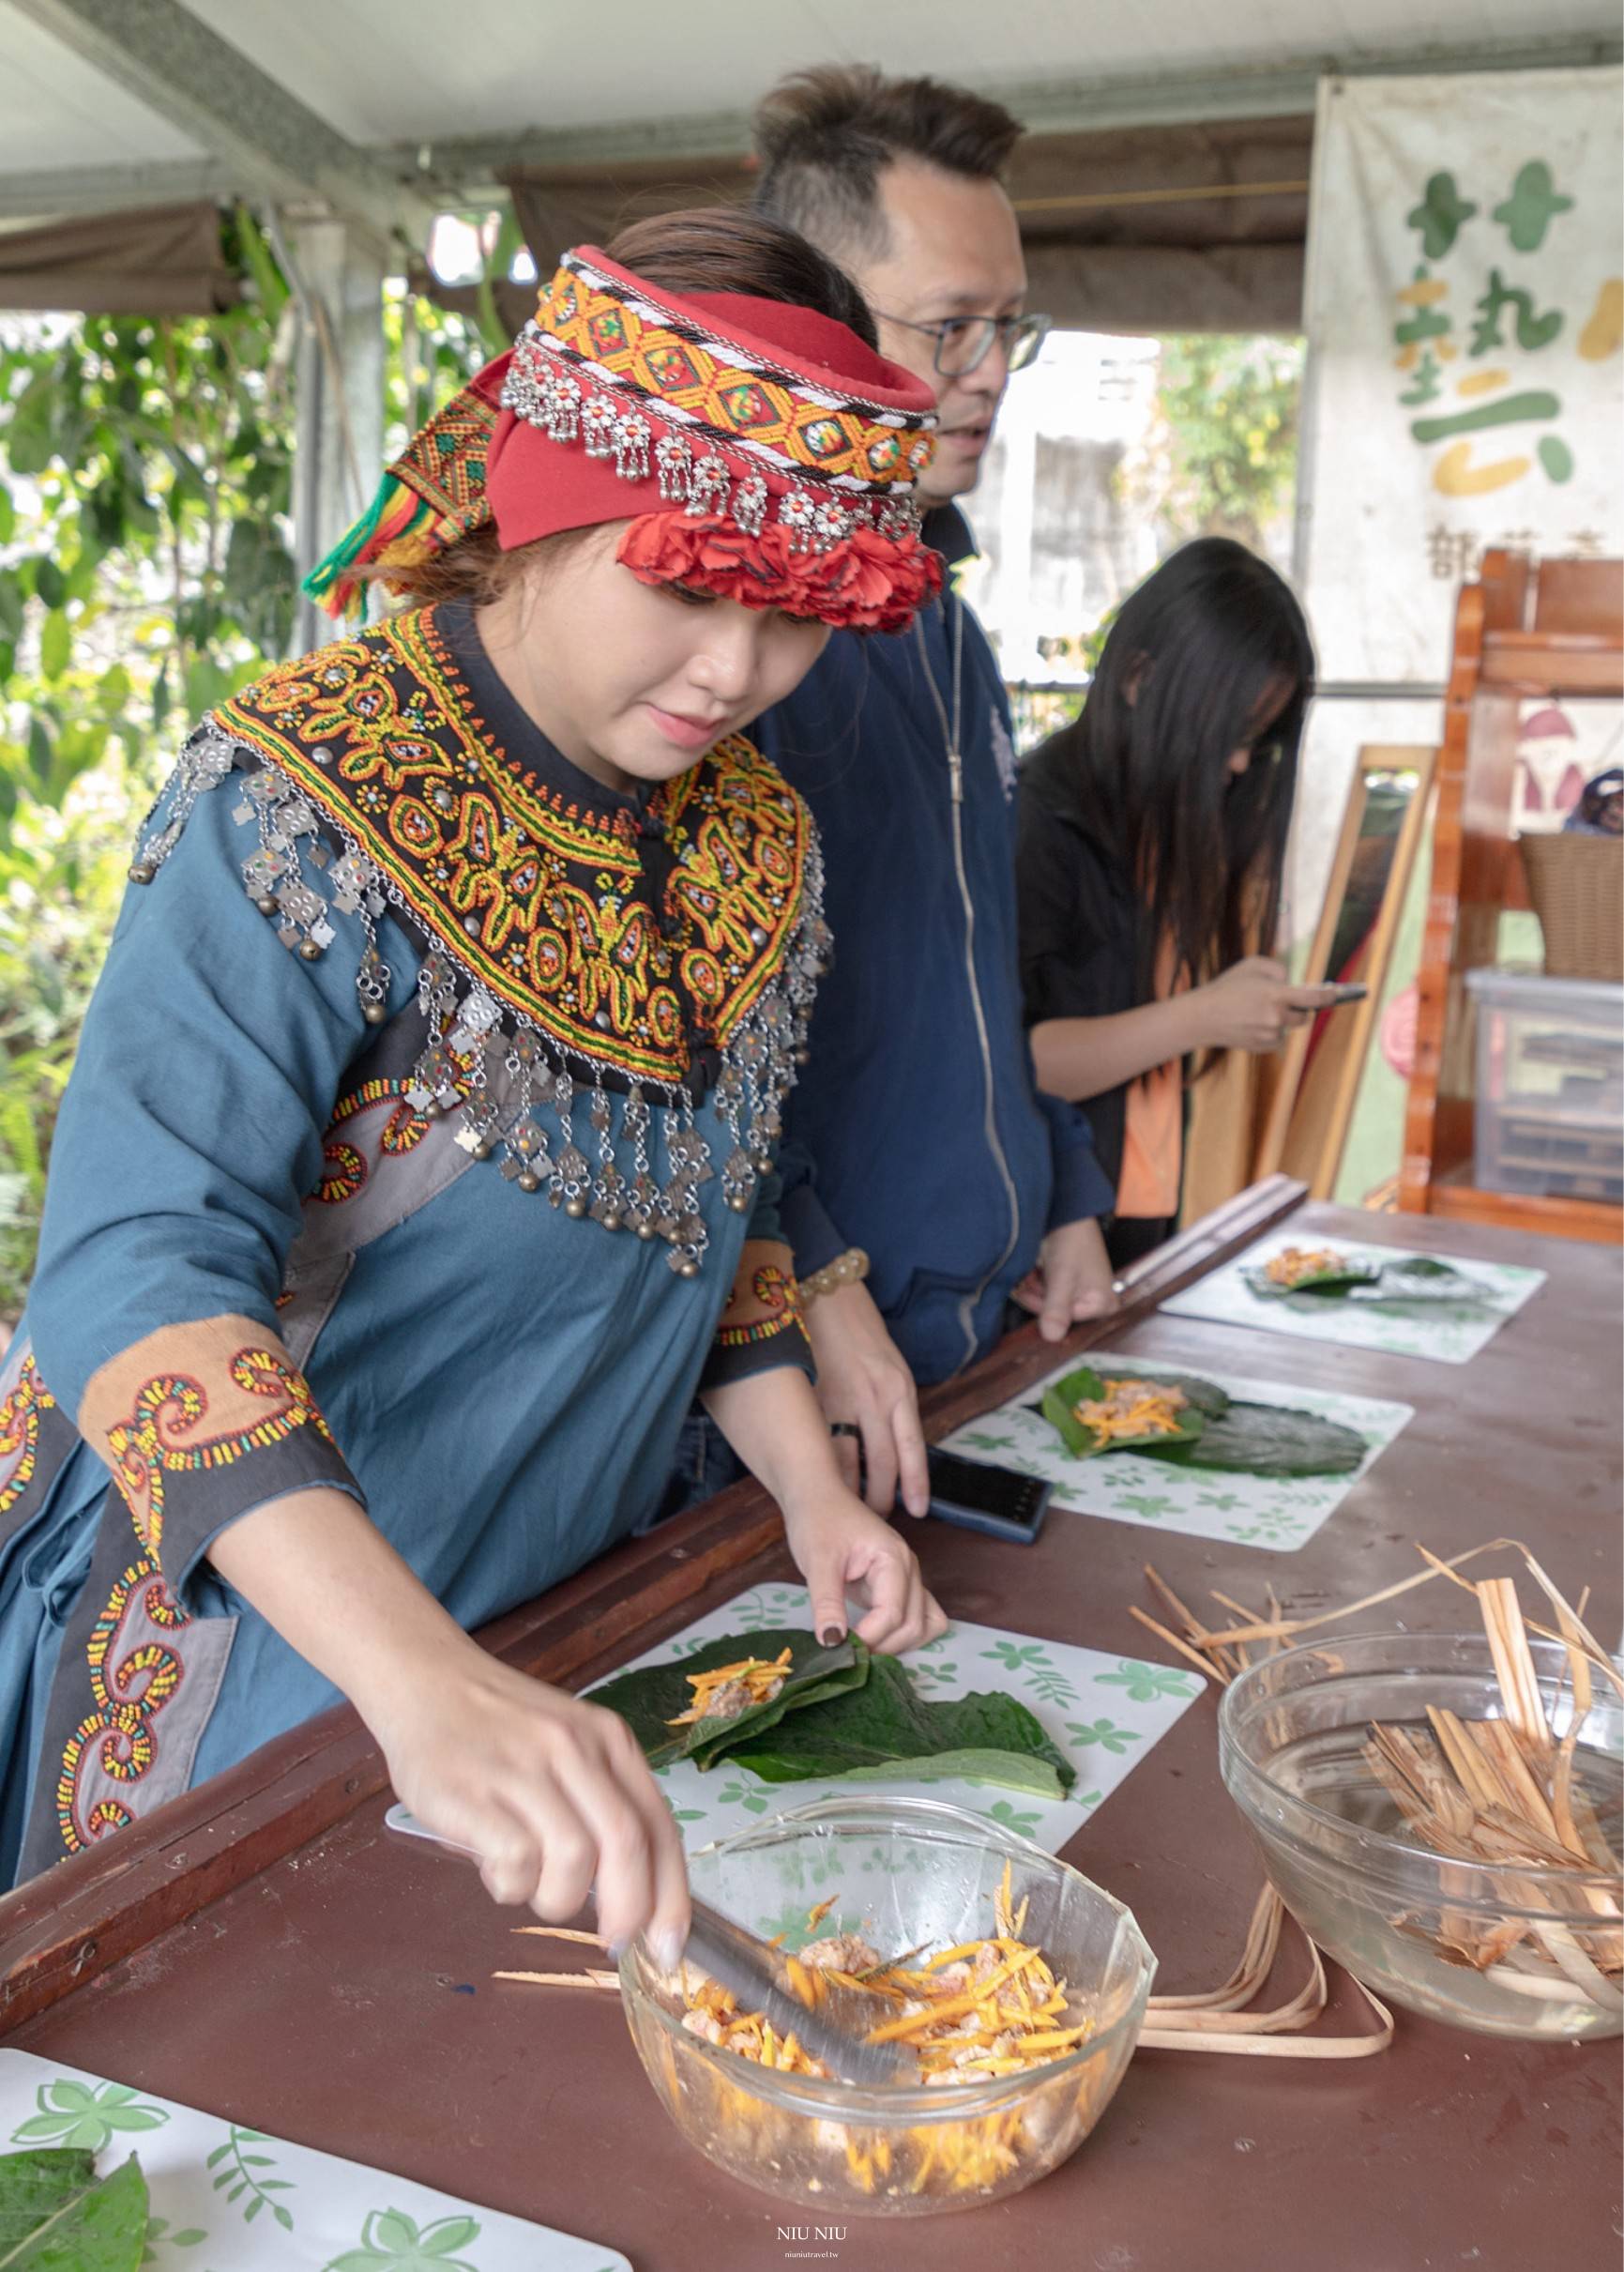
1464,311
1465,324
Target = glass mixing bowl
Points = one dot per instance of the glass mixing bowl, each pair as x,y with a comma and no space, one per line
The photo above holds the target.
904,1873
1291,1732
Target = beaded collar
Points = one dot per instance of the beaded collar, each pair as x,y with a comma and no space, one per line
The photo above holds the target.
658,946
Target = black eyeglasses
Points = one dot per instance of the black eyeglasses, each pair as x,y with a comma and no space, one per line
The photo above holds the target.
964,342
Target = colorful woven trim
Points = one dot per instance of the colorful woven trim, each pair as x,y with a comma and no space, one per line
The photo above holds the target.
433,493
709,391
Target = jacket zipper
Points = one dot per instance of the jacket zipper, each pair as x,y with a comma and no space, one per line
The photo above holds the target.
971,1302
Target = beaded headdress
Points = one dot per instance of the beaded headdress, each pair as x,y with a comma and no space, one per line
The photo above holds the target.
759,451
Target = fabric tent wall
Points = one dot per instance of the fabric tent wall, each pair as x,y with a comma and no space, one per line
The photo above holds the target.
1184,228
161,260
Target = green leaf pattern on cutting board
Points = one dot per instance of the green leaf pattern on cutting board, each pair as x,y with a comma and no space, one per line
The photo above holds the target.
1106,1734
1041,1674
750,1796
236,2175
159,2240
1149,1506
1011,1818
1144,1683
392,2242
85,2114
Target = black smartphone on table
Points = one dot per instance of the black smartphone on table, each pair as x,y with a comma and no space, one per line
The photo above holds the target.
995,1500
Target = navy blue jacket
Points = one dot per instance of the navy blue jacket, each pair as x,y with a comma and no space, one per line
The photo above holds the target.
916,1131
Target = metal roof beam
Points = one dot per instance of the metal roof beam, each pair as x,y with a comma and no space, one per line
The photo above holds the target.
57,191
1283,89
270,142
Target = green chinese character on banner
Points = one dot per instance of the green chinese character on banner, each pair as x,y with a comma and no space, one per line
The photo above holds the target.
1441,215
1532,207
1532,331
1426,386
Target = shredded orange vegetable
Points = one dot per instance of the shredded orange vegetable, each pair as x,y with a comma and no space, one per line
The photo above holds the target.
1133,1408
984,2007
726,1690
1295,1263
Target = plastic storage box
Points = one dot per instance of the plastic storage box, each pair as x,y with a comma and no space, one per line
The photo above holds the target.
1549,1103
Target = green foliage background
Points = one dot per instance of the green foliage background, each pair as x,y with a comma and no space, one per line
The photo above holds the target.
1231,405
145,572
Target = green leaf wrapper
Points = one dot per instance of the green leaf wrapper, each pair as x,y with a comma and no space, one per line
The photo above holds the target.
649,1699
886,1729
98,2226
1267,1439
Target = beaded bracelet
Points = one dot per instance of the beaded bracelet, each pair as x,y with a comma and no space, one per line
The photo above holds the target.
845,1270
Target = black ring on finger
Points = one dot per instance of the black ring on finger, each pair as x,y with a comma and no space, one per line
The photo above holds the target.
845,1428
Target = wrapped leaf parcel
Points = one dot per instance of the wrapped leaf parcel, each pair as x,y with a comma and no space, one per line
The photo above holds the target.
1306,1278
1192,1422
842,1714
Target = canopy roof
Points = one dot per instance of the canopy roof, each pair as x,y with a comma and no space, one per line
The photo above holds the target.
1162,184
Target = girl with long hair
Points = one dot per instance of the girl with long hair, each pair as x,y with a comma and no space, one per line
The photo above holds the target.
1151,846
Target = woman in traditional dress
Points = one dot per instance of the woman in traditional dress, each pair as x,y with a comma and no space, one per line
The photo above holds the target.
416,1169
1150,847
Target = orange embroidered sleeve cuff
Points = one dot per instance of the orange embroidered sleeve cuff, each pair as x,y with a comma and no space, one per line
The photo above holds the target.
201,1424
761,1328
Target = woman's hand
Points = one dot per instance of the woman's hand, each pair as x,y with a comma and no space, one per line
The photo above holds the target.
551,1794
1073,1280
1253,1005
863,1381
841,1546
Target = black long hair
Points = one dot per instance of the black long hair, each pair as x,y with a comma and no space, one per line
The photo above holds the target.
1188,667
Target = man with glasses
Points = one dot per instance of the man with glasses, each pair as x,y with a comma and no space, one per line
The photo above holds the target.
937,1172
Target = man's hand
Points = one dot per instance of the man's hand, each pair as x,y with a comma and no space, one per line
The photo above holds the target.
863,1381
1073,1280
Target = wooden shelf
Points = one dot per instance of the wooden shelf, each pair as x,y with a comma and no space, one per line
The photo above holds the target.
1522,631
1458,1198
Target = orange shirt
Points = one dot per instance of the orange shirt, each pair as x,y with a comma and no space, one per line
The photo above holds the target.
1153,1128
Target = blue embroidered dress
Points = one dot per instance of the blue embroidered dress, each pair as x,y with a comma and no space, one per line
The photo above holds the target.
404,1018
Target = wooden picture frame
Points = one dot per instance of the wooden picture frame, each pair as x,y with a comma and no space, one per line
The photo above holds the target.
1323,1061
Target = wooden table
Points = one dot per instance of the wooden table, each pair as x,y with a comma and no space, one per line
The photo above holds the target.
263,1948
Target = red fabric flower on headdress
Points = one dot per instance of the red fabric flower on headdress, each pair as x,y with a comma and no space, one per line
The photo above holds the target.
864,582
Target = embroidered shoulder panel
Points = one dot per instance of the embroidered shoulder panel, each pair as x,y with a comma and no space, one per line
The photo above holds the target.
546,903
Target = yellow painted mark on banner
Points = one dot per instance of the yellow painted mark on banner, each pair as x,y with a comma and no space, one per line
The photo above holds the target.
1604,330
1456,476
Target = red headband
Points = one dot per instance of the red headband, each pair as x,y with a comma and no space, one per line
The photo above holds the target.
760,451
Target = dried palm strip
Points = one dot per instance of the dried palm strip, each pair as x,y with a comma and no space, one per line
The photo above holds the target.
1203,1663
1256,1964
563,1932
1286,1628
1226,1663
1514,1665
1194,2024
590,1979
